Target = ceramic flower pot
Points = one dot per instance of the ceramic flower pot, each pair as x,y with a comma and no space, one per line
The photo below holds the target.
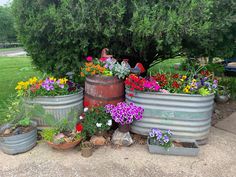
64,146
87,149
124,128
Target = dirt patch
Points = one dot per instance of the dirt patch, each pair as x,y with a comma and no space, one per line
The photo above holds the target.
16,131
223,110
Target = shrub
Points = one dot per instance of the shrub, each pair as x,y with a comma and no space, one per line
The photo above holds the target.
59,34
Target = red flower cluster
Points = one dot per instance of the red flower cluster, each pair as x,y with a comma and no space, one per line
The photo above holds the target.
205,73
79,127
134,82
175,84
161,79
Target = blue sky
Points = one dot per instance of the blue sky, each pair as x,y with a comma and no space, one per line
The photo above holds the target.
3,2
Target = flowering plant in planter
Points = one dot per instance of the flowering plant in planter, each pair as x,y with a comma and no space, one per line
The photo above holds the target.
63,134
125,113
95,120
106,67
189,83
50,86
157,137
136,83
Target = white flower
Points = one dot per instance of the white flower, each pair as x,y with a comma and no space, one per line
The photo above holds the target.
80,117
85,109
98,124
109,122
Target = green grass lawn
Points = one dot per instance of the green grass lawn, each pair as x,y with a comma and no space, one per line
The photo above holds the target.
12,70
9,49
167,65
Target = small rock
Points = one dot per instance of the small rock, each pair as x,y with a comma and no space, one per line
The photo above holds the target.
7,131
121,139
217,111
17,131
98,140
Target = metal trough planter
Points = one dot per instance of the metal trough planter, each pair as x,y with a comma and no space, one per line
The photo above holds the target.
191,149
58,106
17,144
187,116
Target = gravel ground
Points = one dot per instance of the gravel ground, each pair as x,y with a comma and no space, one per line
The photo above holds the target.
216,159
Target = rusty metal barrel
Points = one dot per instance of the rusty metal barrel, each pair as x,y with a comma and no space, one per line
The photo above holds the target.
103,90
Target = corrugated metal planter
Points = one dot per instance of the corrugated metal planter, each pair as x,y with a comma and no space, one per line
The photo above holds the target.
191,150
58,106
187,116
18,143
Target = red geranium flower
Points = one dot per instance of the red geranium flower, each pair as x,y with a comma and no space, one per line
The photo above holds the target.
175,84
79,127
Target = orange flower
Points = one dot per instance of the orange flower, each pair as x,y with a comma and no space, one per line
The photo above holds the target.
88,69
82,74
88,64
93,73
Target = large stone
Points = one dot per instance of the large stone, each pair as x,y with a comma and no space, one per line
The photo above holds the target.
121,139
98,140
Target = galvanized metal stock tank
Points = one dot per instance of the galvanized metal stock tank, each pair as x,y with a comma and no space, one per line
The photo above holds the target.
187,116
58,106
16,144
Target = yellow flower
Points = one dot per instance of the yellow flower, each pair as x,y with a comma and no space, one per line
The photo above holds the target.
63,80
188,87
52,79
33,80
184,77
194,80
186,90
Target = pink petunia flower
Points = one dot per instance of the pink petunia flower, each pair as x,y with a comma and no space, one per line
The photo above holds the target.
89,58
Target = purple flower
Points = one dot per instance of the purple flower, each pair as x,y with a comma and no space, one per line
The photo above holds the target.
166,139
214,86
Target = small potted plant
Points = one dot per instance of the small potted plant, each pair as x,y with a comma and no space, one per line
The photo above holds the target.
87,149
222,95
161,142
124,114
20,134
95,121
62,135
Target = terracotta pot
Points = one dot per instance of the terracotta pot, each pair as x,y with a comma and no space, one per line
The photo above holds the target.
124,128
64,146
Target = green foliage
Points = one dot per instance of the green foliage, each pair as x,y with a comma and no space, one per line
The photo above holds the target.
59,34
96,120
48,134
204,91
24,122
63,125
229,85
7,30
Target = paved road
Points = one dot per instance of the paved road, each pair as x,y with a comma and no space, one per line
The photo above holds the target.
14,52
216,159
